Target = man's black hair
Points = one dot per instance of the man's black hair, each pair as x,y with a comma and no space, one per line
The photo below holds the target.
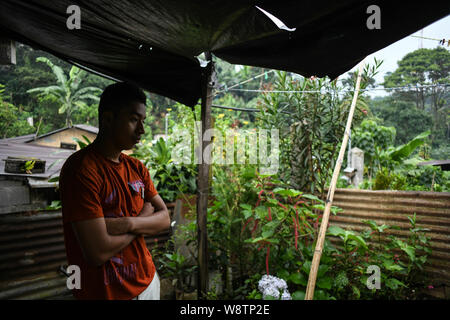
119,95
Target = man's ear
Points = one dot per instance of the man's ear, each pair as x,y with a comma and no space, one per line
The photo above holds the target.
107,119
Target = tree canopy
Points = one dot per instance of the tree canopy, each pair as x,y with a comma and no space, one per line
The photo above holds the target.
427,71
410,111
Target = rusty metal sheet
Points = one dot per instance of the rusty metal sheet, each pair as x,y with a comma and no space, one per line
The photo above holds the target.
32,251
432,211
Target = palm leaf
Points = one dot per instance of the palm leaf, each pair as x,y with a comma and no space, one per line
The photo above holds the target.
404,151
74,83
85,90
63,108
55,90
59,73
89,96
74,72
86,139
80,143
80,104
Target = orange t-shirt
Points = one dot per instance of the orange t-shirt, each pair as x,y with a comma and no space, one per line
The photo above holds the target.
92,186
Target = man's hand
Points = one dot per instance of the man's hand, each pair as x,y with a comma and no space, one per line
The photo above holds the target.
153,219
148,222
147,210
116,226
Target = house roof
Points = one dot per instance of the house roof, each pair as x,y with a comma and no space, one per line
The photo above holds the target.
84,127
54,157
19,139
444,164
155,43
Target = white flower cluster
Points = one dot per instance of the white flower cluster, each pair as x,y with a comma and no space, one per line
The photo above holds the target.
271,286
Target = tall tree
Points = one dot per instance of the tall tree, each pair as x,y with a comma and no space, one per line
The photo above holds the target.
67,90
404,116
421,67
426,67
13,119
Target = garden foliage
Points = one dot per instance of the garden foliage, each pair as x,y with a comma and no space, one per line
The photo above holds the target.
259,226
311,114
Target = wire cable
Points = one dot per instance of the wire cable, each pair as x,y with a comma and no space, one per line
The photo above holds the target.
343,90
245,81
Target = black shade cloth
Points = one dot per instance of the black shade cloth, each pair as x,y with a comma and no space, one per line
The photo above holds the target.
155,43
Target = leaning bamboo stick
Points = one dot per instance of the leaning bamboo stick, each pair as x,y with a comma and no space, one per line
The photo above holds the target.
326,215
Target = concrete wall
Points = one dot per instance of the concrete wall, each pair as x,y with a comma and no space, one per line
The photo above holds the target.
17,196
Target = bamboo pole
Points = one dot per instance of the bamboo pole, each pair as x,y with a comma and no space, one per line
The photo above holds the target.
203,181
326,215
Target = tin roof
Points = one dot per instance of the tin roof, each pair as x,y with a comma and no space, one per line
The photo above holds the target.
19,139
444,164
54,157
84,127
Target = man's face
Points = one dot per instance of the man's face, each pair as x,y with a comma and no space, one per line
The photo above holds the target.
128,125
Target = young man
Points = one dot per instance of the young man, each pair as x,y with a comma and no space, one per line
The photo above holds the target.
109,202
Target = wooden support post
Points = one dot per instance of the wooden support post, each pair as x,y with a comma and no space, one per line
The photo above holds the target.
203,181
7,51
326,214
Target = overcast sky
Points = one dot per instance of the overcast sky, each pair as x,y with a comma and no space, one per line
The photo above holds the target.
396,51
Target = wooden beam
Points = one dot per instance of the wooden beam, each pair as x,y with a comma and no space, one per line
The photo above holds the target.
203,181
7,51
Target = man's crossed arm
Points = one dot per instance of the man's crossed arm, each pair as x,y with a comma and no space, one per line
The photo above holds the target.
148,222
101,238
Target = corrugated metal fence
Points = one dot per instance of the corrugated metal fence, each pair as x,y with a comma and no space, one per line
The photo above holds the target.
32,252
393,208
32,245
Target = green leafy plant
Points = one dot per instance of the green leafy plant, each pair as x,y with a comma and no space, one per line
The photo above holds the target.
373,138
400,268
13,119
387,180
67,90
170,179
177,267
176,260
311,117
82,144
396,168
258,225
28,166
402,152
